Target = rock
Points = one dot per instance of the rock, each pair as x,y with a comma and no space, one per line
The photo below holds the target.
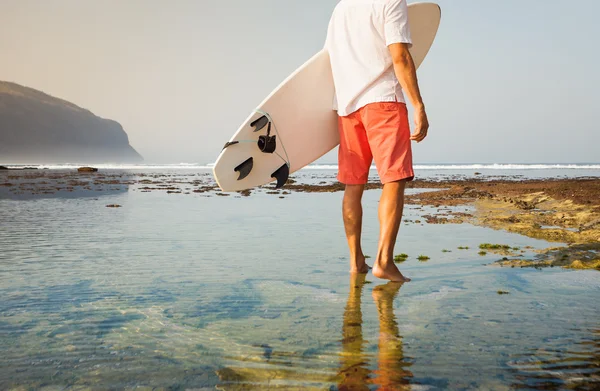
18,168
471,192
576,265
87,169
590,225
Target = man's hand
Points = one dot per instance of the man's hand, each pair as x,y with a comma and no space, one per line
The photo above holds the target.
404,68
421,125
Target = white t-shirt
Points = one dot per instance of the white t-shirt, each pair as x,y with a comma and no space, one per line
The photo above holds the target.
358,37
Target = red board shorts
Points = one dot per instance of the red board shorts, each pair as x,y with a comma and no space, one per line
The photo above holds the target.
378,131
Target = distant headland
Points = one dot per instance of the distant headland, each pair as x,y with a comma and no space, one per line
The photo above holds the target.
36,128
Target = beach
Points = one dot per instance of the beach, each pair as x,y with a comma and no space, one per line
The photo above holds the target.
154,279
562,210
127,264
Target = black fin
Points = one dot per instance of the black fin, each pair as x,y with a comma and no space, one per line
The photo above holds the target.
244,168
260,123
227,144
281,175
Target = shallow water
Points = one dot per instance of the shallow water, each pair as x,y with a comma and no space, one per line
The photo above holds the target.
182,291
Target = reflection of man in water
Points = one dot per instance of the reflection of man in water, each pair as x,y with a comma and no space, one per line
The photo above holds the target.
354,373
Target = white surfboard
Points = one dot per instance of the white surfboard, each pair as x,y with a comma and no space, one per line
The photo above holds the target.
296,124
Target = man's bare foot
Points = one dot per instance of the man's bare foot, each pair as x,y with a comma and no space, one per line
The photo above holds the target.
389,272
359,266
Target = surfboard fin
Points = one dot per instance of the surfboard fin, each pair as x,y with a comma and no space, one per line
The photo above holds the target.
282,174
230,143
260,123
244,168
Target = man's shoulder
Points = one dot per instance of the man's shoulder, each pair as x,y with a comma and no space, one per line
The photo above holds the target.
368,1
345,5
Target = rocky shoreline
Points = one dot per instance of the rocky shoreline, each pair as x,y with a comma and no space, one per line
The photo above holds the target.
565,211
555,210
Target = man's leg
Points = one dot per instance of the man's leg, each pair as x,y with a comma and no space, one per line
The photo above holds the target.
352,211
389,137
354,160
391,206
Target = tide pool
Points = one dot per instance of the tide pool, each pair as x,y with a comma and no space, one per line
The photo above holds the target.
175,291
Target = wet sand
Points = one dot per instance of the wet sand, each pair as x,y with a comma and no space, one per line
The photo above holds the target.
565,211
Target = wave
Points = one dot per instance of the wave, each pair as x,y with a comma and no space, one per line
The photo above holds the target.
112,166
208,166
506,166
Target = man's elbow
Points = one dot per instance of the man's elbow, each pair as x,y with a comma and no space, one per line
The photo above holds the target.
400,54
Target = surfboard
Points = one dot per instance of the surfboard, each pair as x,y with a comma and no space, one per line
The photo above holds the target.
295,125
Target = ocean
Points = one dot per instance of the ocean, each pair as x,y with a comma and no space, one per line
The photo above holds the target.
198,291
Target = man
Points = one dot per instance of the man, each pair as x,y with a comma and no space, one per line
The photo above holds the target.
368,42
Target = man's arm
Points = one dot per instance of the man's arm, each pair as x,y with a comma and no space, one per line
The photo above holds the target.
405,70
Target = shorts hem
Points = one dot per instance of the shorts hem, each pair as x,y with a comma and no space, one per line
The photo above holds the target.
399,176
347,181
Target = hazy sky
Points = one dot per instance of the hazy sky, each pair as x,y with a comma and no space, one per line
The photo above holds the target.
505,81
